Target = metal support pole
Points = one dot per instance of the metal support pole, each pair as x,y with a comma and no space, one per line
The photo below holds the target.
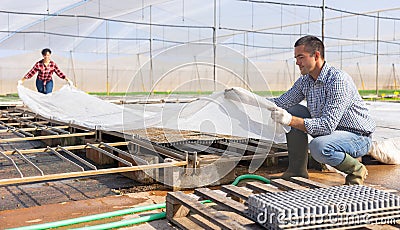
215,45
159,149
64,158
13,163
76,157
323,21
107,68
151,54
135,158
245,63
394,77
110,154
377,57
29,162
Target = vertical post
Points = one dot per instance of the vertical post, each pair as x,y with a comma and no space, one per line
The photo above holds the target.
377,57
73,67
8,23
151,55
341,57
323,21
394,76
107,63
245,73
359,73
215,44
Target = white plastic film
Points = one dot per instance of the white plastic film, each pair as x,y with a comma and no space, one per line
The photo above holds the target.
211,114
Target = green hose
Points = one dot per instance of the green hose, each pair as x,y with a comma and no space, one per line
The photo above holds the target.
92,217
124,223
132,221
250,176
125,212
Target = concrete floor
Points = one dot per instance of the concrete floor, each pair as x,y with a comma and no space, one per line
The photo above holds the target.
386,176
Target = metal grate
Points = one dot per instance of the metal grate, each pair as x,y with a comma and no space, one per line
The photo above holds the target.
332,207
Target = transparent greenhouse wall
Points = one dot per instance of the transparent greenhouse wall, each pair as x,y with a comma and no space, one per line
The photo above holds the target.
104,46
134,71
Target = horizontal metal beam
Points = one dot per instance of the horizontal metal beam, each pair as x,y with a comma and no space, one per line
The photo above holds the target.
46,137
90,173
29,162
25,133
76,157
54,128
159,149
26,123
75,147
18,133
138,160
13,163
65,159
49,131
58,129
110,154
209,160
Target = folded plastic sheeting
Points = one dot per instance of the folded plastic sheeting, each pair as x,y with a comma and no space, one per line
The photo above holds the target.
386,151
212,114
74,106
386,138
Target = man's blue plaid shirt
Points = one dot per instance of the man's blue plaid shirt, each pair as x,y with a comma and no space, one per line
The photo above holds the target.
333,101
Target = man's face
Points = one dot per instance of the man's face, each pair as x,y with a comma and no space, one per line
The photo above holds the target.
304,60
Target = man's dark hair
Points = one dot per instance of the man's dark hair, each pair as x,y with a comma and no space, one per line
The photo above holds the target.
45,51
311,44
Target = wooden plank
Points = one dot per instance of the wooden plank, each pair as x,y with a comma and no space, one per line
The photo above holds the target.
287,185
179,215
210,214
89,173
235,191
75,147
187,223
263,188
175,208
46,137
308,183
199,222
224,201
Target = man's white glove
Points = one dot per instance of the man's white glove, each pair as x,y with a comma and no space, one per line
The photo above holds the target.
20,82
281,116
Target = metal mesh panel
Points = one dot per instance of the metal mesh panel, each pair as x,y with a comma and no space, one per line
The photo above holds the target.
339,206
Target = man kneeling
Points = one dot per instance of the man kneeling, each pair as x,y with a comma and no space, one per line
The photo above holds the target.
336,116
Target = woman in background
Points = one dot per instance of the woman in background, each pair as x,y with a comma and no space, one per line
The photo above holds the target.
45,69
